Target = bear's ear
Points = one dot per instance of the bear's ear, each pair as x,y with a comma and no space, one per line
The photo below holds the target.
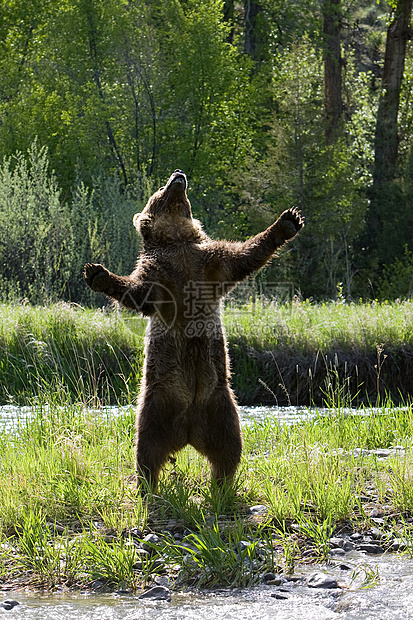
143,224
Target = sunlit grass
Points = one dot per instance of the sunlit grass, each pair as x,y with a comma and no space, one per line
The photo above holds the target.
67,480
307,327
296,350
69,503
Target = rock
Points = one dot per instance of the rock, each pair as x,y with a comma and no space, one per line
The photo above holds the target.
336,542
280,597
345,567
135,532
400,544
272,580
321,580
157,593
268,577
337,552
370,548
152,539
258,511
356,536
244,544
9,604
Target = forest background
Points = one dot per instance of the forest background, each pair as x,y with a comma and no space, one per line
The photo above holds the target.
263,104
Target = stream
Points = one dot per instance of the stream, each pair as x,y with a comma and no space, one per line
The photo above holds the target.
378,587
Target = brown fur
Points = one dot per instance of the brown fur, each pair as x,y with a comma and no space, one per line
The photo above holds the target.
185,396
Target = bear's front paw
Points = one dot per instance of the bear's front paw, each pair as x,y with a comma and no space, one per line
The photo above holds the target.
97,277
290,222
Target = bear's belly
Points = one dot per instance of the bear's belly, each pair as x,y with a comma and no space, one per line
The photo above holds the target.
186,370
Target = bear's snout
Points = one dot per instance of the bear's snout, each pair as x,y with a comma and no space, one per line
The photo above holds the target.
177,178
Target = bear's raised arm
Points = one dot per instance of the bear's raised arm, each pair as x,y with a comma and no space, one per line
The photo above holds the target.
132,293
239,260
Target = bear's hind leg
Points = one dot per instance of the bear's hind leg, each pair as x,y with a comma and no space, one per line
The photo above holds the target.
218,437
157,436
150,457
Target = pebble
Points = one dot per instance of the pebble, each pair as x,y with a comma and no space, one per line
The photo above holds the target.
152,539
280,597
321,580
9,604
270,579
399,544
370,548
258,511
157,593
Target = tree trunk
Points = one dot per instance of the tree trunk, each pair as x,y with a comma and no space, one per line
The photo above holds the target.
251,42
386,139
388,220
332,67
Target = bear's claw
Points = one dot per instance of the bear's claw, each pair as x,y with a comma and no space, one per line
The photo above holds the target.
291,221
96,276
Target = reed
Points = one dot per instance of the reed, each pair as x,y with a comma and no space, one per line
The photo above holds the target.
70,511
297,353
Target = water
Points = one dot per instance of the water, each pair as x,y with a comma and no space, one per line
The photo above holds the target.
11,415
390,597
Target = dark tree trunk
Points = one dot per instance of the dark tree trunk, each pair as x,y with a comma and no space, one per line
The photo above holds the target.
386,139
388,221
332,67
251,42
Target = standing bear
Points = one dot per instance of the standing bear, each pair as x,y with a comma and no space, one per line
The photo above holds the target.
180,277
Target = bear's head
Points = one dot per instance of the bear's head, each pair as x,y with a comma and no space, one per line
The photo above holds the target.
167,218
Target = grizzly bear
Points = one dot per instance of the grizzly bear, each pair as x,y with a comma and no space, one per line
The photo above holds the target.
179,280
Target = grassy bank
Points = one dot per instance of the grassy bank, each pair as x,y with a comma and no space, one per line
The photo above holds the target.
70,514
298,353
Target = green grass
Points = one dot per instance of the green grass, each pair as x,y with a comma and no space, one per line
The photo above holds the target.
293,353
89,355
304,327
70,510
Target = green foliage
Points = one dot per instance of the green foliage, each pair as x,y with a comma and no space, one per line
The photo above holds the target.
45,241
35,239
119,94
